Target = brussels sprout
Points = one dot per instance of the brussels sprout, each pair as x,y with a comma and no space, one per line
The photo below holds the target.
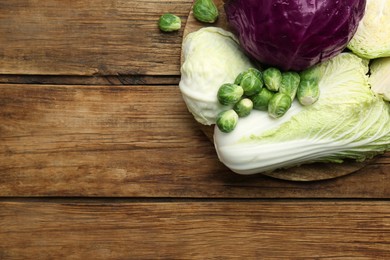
261,100
227,120
311,73
243,107
229,94
169,23
272,78
205,11
256,72
308,92
290,83
278,105
238,79
251,83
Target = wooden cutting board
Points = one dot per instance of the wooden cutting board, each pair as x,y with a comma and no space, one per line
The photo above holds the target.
308,172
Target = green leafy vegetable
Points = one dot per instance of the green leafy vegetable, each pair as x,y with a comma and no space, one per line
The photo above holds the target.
169,23
261,100
372,38
308,92
229,94
256,72
278,105
289,84
349,121
380,77
244,107
251,82
227,120
239,77
272,78
205,11
212,57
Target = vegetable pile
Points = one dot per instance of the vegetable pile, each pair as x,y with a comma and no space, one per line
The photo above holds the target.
271,90
348,121
328,109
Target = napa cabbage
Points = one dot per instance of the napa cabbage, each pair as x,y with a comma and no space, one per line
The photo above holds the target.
349,121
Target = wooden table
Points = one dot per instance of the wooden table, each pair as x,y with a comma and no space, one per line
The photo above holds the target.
100,159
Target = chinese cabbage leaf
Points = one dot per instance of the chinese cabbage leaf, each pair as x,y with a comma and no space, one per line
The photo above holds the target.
349,121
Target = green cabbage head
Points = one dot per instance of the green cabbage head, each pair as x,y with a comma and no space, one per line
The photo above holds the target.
380,77
349,121
212,57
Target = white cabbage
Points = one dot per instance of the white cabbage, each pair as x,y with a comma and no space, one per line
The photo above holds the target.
372,38
212,57
348,121
380,77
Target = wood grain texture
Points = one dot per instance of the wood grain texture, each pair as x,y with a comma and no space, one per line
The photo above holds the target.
90,80
98,37
133,141
75,127
201,230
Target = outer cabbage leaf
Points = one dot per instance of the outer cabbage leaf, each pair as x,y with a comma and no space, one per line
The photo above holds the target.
372,38
380,77
212,57
348,121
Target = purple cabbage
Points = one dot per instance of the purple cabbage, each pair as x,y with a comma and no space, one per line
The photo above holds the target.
294,34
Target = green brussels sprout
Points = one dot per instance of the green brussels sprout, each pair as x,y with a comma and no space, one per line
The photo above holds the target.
261,99
251,83
256,72
311,73
308,92
205,11
243,107
229,94
227,120
278,105
290,83
169,23
272,78
238,79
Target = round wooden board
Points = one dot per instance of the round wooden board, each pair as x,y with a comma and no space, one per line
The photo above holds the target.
307,172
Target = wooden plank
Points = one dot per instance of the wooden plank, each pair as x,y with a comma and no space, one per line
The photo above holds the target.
195,230
90,80
137,141
99,37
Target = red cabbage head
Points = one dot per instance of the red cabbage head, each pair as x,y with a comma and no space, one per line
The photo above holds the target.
294,34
